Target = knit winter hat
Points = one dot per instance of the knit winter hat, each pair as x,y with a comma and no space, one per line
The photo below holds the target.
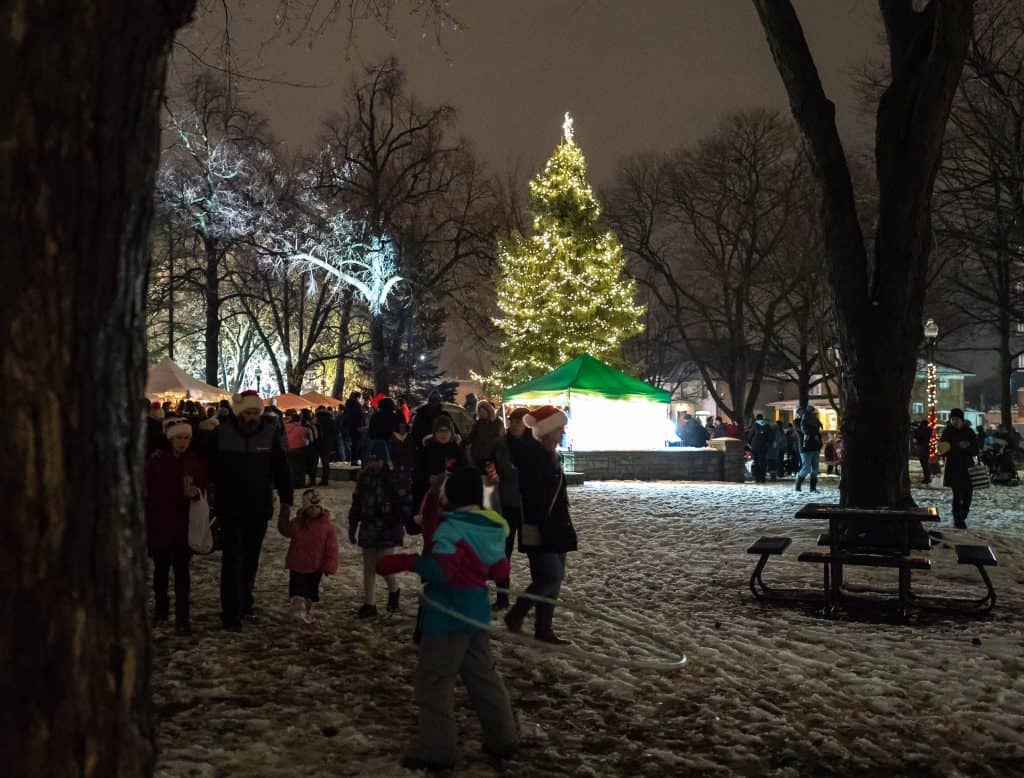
175,426
518,413
442,422
956,413
545,420
247,401
310,499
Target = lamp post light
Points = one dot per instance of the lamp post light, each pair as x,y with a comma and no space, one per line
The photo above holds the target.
931,331
259,375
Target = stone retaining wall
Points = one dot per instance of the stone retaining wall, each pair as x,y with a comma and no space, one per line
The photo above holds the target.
670,464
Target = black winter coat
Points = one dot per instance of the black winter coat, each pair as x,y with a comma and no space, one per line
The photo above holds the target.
328,432
545,501
958,458
353,418
245,469
810,433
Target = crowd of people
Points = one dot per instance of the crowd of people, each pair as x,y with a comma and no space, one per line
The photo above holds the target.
779,449
468,494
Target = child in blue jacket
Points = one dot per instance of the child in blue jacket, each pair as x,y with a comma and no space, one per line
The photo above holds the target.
468,549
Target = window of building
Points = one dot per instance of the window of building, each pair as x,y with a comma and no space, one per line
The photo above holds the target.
943,383
943,415
917,408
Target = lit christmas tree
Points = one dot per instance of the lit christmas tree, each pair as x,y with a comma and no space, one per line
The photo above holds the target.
562,292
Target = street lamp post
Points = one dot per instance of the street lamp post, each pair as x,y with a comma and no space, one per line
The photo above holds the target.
259,374
931,331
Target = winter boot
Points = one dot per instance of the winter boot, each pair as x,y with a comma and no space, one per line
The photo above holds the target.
298,608
514,618
311,612
366,612
543,632
393,601
814,483
959,523
500,602
799,482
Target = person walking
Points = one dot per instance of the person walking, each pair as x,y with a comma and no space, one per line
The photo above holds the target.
175,478
760,439
508,494
312,554
468,550
352,422
922,447
375,523
547,531
247,463
958,445
810,448
328,442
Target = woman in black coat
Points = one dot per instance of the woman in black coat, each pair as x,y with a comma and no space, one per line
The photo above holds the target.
547,533
959,445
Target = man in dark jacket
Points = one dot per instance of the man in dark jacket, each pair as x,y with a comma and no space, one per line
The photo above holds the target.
959,445
327,441
760,439
695,434
423,419
352,422
809,434
547,531
246,462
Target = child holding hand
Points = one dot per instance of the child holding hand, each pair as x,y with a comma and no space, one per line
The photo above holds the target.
468,549
312,553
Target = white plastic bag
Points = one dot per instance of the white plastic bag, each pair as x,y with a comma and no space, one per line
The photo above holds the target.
200,537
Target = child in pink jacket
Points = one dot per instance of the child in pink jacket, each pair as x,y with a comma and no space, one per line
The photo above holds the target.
312,553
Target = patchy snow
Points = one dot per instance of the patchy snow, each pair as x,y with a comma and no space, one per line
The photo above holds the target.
662,572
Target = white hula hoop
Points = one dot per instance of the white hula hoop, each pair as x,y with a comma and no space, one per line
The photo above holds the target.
601,659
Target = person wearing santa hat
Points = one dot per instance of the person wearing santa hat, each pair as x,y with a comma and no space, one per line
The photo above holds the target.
547,533
247,462
175,476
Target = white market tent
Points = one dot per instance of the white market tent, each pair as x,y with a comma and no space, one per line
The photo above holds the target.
167,381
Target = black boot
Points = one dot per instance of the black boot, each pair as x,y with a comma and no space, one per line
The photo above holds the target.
500,602
799,482
814,483
544,632
393,601
514,618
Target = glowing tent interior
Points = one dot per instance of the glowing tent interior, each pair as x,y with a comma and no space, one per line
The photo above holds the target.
167,381
608,410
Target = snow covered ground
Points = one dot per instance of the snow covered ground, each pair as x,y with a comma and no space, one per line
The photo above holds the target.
767,689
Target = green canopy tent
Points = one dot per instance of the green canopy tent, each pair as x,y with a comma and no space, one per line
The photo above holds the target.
608,410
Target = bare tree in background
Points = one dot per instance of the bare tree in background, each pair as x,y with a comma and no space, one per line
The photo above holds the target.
709,226
979,199
878,295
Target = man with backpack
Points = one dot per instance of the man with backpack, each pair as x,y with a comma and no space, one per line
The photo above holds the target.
809,432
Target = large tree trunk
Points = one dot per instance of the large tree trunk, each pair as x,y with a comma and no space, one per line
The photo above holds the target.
379,355
1005,371
211,294
878,303
338,390
78,150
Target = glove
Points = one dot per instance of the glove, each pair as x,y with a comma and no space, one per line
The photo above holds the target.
397,563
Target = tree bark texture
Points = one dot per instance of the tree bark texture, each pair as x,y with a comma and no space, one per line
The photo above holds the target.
878,293
78,150
212,307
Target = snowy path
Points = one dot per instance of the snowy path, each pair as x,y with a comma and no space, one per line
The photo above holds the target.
767,689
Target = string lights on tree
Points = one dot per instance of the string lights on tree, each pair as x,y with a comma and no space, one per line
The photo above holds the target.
931,331
562,291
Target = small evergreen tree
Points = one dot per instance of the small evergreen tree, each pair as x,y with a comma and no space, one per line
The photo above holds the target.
561,291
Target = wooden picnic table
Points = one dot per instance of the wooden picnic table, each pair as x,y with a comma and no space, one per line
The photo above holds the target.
868,537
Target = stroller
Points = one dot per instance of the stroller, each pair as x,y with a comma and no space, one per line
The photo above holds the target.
1002,468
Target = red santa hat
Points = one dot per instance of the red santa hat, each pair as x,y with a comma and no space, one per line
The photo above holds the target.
246,401
545,419
175,426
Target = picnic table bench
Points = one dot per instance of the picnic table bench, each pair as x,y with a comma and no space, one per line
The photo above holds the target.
868,537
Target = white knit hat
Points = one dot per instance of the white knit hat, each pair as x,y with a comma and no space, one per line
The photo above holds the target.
175,426
247,400
545,419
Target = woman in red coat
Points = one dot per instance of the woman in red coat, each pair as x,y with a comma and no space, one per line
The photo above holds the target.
174,478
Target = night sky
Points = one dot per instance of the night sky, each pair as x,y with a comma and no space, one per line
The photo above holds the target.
646,75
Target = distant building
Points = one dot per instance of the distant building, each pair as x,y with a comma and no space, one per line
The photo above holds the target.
949,393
